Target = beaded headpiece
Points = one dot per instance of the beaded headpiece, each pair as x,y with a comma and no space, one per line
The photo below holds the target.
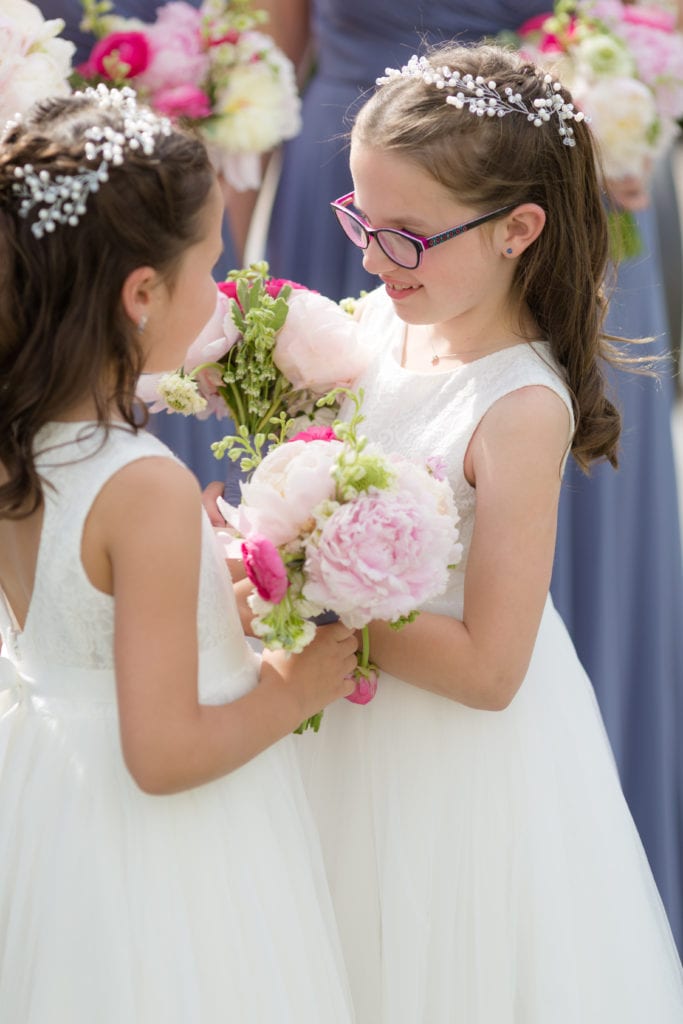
481,97
61,199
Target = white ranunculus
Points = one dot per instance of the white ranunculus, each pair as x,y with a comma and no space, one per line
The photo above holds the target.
622,114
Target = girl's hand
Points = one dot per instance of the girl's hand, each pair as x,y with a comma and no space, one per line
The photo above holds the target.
210,493
629,193
321,674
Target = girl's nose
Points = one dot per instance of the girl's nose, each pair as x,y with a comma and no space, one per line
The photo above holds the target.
375,261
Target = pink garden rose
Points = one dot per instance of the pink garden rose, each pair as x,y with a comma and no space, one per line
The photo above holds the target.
290,481
182,101
379,557
265,568
318,347
178,55
131,48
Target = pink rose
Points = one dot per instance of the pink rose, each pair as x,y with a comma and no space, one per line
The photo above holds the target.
366,686
131,48
182,101
178,54
318,346
265,568
315,433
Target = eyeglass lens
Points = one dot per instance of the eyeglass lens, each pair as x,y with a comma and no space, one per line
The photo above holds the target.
398,248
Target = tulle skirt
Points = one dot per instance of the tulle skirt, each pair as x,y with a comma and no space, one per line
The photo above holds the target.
115,906
484,866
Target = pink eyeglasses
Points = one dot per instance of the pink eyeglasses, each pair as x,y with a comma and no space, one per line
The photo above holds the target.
401,247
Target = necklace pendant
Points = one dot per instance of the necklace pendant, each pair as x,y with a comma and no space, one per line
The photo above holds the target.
435,360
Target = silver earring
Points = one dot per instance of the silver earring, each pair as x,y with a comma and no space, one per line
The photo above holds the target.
142,323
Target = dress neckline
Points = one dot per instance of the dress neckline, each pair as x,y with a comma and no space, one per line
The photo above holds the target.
398,354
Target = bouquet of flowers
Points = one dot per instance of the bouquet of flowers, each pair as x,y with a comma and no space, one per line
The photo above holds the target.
210,66
34,63
271,349
624,66
328,522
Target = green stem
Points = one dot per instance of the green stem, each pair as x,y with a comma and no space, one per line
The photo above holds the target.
364,659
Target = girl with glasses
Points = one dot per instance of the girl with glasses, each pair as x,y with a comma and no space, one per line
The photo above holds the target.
483,862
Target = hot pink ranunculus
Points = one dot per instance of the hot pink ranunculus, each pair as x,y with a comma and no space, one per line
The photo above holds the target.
182,101
274,286
315,433
535,24
366,686
132,47
265,568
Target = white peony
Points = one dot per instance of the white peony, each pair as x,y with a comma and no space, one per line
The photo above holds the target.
623,116
319,345
290,481
259,104
33,62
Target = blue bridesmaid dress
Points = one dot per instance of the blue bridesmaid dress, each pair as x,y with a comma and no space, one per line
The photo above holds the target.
617,578
188,437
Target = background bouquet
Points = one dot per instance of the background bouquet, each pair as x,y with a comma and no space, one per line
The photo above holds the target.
270,350
624,66
328,522
210,66
34,63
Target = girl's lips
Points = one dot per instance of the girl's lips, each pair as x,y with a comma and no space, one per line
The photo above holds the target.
400,291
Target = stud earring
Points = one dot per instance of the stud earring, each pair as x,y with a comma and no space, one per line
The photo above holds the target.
508,252
142,323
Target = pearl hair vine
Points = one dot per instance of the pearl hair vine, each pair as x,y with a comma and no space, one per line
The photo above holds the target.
482,98
61,198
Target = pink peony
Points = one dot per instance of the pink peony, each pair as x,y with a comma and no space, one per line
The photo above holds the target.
315,433
318,347
216,338
265,568
182,101
379,557
533,25
178,54
366,686
131,48
290,481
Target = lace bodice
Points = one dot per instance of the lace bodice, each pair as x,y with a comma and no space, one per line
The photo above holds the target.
427,414
70,624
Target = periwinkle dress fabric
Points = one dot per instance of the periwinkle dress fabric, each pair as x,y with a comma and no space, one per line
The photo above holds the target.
187,437
617,580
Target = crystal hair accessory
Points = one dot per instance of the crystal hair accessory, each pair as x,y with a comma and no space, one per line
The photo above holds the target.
62,198
481,97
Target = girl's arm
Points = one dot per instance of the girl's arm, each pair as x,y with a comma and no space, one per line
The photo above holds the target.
170,741
514,461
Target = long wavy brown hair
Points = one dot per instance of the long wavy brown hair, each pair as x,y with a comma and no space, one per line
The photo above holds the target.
491,162
63,331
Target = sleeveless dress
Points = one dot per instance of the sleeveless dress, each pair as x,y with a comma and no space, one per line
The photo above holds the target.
484,865
623,612
201,907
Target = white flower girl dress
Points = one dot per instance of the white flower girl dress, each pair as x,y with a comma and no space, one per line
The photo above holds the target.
118,907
